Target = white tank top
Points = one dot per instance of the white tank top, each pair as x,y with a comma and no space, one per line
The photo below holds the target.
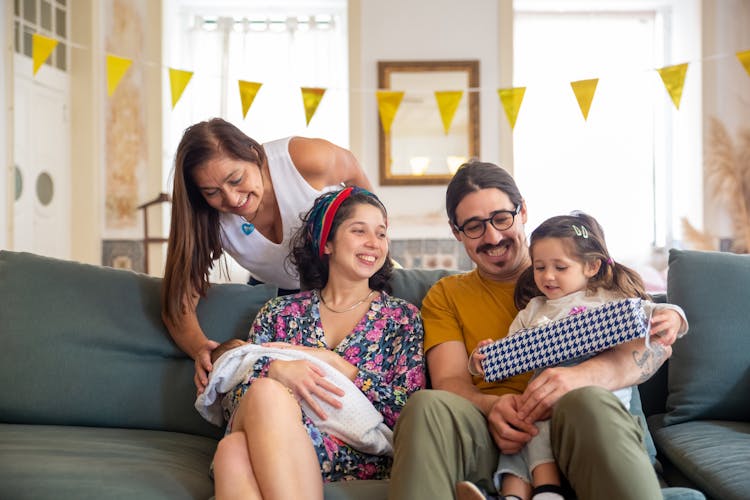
266,260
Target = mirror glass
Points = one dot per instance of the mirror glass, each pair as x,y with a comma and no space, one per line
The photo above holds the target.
417,149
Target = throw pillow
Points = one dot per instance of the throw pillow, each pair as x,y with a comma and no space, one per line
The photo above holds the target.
709,371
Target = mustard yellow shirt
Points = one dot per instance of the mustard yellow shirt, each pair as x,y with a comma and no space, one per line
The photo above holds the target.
469,308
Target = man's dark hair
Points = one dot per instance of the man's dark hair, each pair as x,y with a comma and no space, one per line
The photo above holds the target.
474,176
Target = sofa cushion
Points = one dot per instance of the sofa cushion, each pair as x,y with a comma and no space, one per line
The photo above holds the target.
713,454
85,345
46,462
709,371
412,284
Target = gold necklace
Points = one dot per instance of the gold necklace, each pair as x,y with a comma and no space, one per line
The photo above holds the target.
350,308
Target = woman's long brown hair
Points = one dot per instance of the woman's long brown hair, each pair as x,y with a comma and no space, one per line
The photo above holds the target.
194,232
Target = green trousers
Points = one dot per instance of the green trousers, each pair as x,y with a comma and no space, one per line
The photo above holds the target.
441,438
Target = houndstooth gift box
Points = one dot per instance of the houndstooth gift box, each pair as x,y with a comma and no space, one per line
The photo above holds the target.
585,333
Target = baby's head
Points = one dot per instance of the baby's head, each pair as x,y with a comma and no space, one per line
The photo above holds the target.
569,254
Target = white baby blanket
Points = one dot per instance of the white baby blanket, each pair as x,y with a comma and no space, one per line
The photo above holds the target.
357,422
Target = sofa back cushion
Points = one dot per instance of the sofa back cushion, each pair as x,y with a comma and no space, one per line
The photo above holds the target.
85,345
709,371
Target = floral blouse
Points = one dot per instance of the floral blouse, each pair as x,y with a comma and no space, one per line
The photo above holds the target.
386,346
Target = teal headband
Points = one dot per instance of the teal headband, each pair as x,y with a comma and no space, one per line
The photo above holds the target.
321,216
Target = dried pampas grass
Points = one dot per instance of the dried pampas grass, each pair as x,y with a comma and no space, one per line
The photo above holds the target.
727,170
697,239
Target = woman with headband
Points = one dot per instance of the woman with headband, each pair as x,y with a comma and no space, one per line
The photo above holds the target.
234,195
345,319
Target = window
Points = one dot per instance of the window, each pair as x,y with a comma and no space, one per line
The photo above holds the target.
46,17
284,49
282,44
617,165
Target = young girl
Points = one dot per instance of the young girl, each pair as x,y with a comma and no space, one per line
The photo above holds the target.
347,319
571,271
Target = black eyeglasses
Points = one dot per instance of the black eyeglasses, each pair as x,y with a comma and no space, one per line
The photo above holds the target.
500,220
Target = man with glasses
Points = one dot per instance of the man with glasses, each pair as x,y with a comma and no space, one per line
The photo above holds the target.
452,436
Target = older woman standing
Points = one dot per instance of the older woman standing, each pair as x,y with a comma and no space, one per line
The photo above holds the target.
233,194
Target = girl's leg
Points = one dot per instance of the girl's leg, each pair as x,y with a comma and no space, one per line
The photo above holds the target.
233,472
546,474
278,443
514,486
546,480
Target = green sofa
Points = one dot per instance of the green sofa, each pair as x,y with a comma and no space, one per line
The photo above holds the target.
98,402
698,404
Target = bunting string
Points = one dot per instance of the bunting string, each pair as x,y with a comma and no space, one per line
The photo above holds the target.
388,100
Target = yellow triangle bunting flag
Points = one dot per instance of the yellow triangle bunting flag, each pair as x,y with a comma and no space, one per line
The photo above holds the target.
447,101
388,103
311,97
744,58
41,48
584,91
511,100
674,79
248,91
178,80
116,69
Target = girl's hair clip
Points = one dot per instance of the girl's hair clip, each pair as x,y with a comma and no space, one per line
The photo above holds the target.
581,231
611,261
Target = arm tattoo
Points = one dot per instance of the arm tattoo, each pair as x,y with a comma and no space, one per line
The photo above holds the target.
649,360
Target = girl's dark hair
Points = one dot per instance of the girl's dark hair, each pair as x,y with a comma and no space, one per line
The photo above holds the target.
474,176
584,238
313,269
194,233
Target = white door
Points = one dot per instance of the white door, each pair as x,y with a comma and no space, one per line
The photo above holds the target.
41,212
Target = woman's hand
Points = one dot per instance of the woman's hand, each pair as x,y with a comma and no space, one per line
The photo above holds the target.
508,430
325,355
307,383
203,365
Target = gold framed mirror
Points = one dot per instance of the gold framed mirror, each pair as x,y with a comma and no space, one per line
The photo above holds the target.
417,149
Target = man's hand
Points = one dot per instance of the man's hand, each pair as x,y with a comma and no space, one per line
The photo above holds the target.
509,431
203,365
545,391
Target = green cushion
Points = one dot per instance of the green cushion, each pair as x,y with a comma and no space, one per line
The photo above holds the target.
412,284
709,371
85,345
51,462
713,454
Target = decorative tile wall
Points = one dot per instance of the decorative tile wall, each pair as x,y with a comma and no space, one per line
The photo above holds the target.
430,253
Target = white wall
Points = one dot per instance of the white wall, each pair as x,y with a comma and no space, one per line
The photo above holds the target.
424,30
6,155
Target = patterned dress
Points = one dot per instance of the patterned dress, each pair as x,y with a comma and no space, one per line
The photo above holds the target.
386,346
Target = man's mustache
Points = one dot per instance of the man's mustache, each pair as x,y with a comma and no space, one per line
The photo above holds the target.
490,246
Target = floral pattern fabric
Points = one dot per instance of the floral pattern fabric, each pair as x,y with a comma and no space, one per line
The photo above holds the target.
386,346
